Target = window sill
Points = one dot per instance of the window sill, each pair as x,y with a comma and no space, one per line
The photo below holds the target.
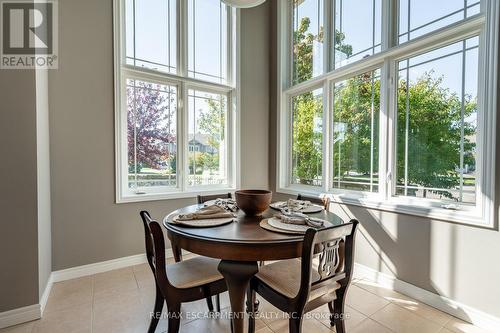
465,215
171,195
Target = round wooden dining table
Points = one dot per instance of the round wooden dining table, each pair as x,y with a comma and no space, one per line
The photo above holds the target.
240,245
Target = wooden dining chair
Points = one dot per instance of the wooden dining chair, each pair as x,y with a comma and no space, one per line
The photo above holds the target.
298,286
186,281
204,198
325,202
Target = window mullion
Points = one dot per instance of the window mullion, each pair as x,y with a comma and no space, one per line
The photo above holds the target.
387,102
182,145
328,29
182,38
326,136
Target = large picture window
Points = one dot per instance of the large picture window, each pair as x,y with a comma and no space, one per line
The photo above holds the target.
176,98
390,105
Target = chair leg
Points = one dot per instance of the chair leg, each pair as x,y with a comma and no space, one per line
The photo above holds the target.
332,313
155,319
251,309
174,317
210,304
338,310
295,324
217,302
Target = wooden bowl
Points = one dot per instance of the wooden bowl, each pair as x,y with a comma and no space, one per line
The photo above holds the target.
253,202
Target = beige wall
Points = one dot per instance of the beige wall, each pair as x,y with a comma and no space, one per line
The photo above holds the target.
88,226
18,195
456,261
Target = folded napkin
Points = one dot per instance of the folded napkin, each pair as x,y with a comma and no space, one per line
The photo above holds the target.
227,204
300,219
210,212
298,205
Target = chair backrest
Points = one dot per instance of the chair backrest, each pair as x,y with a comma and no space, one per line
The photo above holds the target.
205,198
325,202
334,247
155,247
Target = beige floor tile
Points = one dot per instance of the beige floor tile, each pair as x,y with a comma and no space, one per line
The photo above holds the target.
145,279
119,280
22,328
364,301
264,330
459,326
445,330
308,325
352,318
215,325
120,312
404,321
121,301
207,326
425,311
76,319
406,302
370,326
70,293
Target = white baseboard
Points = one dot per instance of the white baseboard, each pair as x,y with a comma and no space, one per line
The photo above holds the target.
452,307
19,315
99,267
27,313
45,296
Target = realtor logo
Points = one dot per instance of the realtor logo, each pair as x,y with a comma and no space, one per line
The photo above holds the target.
28,34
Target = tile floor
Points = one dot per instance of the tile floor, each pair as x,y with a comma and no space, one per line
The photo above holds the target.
120,301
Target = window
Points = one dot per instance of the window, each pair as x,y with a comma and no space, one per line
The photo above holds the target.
307,138
390,105
437,124
207,40
356,105
176,98
308,39
151,134
358,30
206,132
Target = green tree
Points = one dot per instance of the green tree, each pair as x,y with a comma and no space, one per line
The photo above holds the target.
354,102
434,134
212,122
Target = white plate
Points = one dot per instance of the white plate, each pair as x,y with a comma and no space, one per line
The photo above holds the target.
308,210
276,223
203,223
265,225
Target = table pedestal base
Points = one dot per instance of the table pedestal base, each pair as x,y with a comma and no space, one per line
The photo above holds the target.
237,275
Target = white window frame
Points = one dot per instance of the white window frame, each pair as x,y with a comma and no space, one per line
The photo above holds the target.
183,83
485,24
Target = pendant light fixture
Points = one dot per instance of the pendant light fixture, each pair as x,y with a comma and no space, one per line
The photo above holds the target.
243,3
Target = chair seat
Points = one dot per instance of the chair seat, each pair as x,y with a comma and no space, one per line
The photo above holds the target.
284,277
193,272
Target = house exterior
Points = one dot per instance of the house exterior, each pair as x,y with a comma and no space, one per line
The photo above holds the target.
200,143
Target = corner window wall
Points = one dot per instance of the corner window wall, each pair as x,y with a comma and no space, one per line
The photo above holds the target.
388,104
175,98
